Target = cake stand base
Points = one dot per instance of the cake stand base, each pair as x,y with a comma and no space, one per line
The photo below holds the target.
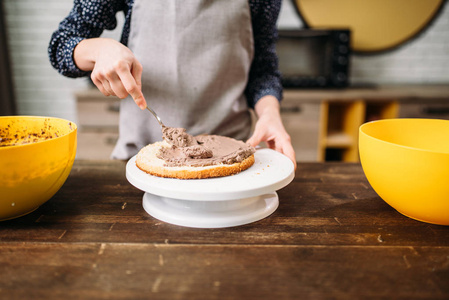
210,214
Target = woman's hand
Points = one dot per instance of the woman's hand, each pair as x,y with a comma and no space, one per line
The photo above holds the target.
115,69
269,128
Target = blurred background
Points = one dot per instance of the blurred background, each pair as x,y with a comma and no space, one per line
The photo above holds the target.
329,89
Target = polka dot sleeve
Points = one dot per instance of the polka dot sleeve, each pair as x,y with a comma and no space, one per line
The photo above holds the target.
87,19
264,77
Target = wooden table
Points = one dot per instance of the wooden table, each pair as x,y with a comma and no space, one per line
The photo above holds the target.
331,237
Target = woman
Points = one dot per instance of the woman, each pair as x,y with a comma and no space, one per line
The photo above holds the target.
200,64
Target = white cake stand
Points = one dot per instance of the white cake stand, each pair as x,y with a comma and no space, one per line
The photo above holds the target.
216,202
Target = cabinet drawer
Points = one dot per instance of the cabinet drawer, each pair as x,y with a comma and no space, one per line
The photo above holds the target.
98,113
438,110
95,145
302,122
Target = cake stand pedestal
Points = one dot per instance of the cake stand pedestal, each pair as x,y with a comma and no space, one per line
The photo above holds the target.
228,201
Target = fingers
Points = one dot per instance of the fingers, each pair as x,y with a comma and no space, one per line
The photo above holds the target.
107,87
272,145
256,138
116,85
100,86
288,150
280,144
136,71
108,84
253,141
131,79
121,81
284,146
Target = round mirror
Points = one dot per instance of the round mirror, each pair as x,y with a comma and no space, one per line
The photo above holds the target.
376,25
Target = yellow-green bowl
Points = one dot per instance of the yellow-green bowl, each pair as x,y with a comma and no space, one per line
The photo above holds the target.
36,156
406,161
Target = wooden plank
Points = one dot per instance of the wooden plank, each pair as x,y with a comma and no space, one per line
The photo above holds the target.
374,93
326,204
331,237
324,123
354,117
135,271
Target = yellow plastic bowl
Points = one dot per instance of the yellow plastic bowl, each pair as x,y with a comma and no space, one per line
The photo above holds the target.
36,156
406,161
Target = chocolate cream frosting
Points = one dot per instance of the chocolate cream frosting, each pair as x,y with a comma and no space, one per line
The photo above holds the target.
202,150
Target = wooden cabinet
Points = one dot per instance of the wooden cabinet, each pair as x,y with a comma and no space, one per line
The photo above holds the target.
302,121
327,130
342,111
323,124
432,109
340,125
98,118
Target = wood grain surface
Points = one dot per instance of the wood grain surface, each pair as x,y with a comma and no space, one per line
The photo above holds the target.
331,237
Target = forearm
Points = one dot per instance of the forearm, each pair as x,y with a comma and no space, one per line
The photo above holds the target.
264,76
77,26
267,105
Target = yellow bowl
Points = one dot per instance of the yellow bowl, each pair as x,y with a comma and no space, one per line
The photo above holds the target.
36,156
406,161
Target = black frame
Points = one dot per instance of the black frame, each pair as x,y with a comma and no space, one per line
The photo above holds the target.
337,75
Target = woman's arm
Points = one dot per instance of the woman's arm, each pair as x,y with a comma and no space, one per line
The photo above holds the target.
87,19
264,77
264,89
75,49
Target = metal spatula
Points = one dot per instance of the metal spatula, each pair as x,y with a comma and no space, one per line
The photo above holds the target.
156,116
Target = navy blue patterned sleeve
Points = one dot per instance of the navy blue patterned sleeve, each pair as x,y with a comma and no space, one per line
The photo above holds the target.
87,19
264,78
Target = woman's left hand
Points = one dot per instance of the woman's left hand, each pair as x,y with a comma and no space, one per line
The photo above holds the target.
270,129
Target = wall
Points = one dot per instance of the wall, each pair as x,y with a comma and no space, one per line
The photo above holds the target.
425,59
40,90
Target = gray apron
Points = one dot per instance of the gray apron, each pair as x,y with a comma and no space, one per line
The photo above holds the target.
196,57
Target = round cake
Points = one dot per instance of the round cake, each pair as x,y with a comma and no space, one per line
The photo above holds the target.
183,156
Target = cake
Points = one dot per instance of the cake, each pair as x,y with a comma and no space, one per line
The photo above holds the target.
183,156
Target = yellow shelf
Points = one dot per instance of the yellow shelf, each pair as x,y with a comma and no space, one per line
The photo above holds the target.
339,140
340,122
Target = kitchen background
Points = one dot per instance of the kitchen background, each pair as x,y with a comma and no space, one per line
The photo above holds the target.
40,90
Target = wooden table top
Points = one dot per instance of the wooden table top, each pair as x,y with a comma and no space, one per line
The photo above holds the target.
331,237
404,93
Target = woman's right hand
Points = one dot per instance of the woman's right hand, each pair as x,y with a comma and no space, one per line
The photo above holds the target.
115,69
